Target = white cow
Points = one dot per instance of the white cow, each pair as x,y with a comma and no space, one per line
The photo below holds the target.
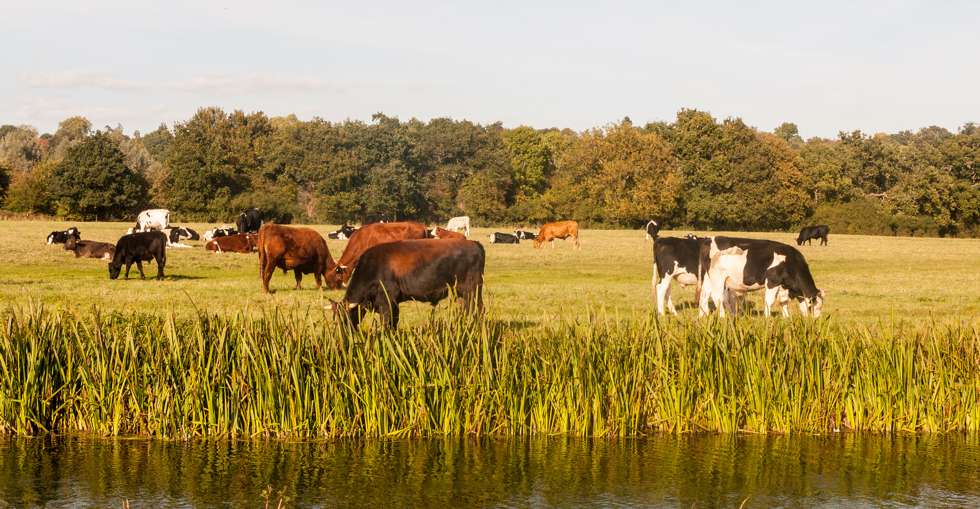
153,219
458,223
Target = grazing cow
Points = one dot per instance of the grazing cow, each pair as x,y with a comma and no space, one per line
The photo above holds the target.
90,249
439,233
343,233
458,223
367,237
427,270
139,247
379,218
673,258
752,264
178,233
249,221
222,231
238,243
62,237
525,235
152,219
503,238
561,230
808,233
301,250
652,229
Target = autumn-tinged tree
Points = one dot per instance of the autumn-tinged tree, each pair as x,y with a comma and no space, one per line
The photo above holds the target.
20,149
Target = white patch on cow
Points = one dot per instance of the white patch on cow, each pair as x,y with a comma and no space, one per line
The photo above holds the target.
776,260
492,238
50,239
107,257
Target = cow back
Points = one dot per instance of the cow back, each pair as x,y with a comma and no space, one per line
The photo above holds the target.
367,237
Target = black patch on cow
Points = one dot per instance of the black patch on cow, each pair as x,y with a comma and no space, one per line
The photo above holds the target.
503,238
792,274
525,235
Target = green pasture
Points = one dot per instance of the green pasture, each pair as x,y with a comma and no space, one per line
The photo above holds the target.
867,278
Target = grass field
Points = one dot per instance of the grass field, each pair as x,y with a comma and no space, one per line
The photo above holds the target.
868,279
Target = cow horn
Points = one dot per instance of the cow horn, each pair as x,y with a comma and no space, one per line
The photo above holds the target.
351,305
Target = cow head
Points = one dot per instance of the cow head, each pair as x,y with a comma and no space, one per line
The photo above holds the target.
537,242
652,229
816,303
70,244
346,313
334,278
114,270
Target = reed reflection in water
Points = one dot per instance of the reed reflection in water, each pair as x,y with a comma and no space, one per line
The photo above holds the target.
709,470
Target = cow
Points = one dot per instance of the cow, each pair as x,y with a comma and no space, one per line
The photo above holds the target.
301,250
367,237
343,233
808,233
753,264
222,231
439,233
525,235
62,237
379,218
652,229
90,249
139,247
691,236
673,258
459,223
426,270
249,221
503,238
152,219
238,243
561,230
178,233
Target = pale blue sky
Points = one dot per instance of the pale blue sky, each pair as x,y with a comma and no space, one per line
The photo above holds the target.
869,65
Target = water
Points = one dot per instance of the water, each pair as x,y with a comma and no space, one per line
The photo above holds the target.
699,471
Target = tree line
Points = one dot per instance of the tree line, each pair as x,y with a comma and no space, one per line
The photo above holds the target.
695,172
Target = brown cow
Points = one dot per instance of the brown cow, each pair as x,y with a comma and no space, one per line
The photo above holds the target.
561,230
301,250
367,237
238,243
440,233
90,249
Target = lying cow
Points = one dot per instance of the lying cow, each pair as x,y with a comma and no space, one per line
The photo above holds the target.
139,247
152,219
301,250
561,230
427,270
378,218
178,233
808,233
250,221
238,243
62,237
439,233
503,238
459,223
525,235
90,249
222,231
343,233
747,265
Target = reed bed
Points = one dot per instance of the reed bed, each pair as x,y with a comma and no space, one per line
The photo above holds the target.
293,373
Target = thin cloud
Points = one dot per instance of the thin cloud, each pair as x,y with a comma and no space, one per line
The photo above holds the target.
253,84
95,77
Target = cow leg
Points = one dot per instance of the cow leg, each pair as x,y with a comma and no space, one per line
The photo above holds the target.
704,293
128,265
805,307
718,294
160,263
663,293
771,294
299,277
318,277
139,265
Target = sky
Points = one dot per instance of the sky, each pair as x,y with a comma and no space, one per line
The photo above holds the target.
874,66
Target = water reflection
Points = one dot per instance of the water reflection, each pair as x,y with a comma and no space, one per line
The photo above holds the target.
664,471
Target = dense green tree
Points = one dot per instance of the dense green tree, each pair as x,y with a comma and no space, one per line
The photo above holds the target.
157,143
28,192
93,181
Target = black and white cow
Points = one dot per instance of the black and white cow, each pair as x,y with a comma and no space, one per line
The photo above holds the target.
222,231
753,264
139,247
808,233
62,237
673,258
152,219
343,233
691,236
503,238
249,221
378,218
652,229
179,233
525,235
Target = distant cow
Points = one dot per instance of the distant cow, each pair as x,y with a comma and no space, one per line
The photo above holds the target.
301,250
152,219
379,218
808,233
249,221
427,270
218,232
439,233
178,233
753,264
238,243
562,230
139,247
343,233
367,237
503,238
652,229
459,223
691,236
525,235
90,249
62,237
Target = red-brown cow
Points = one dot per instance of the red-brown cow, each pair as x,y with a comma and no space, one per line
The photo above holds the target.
90,249
301,250
443,234
367,237
561,230
238,243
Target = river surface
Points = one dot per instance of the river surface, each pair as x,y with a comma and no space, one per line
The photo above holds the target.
688,471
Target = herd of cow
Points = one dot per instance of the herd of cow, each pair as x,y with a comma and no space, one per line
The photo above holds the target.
387,263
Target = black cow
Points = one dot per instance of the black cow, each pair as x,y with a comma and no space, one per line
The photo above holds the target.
379,218
249,221
62,237
139,247
525,235
343,233
808,233
673,258
179,233
426,270
652,229
503,238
